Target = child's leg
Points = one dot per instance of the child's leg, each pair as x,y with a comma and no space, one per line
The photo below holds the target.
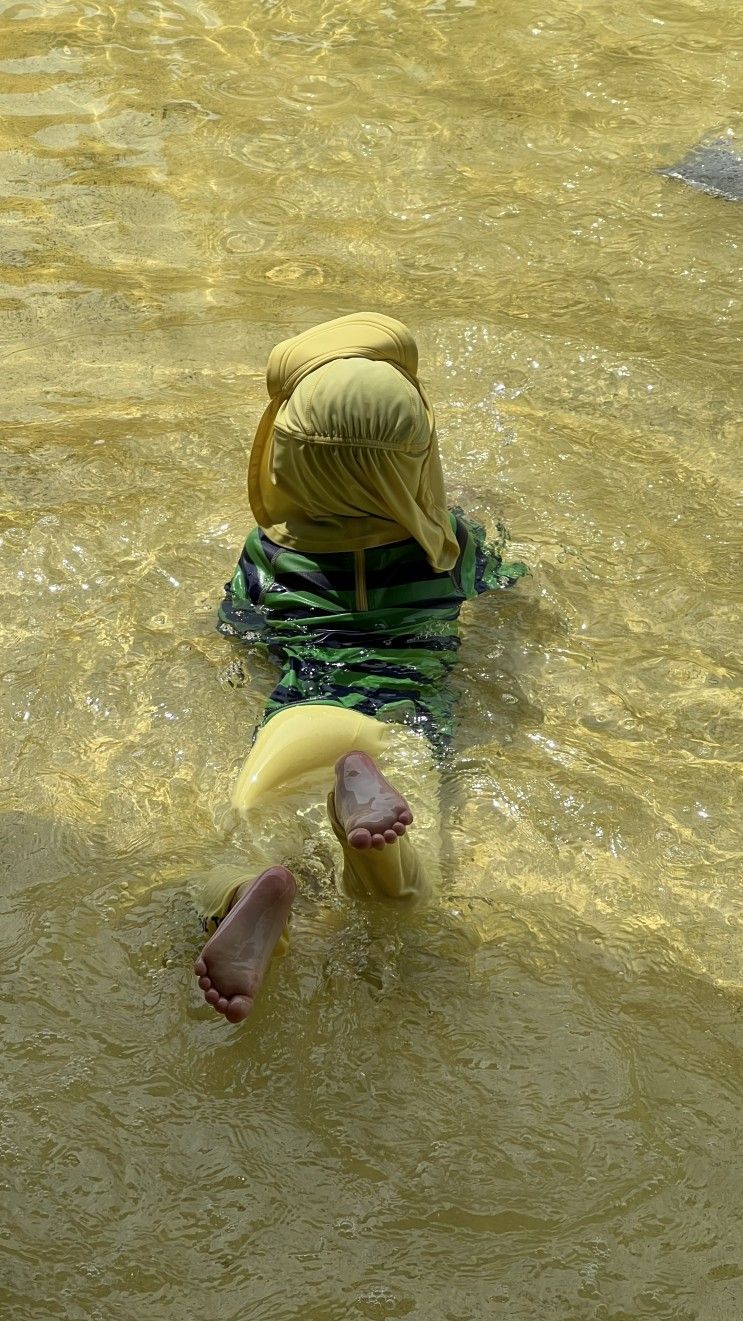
244,907
310,739
370,819
232,965
245,910
298,742
249,917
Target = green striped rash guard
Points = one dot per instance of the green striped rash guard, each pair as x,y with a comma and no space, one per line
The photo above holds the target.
375,631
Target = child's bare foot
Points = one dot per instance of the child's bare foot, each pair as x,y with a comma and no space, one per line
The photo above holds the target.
370,810
232,965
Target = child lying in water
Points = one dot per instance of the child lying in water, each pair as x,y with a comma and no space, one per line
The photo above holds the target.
353,581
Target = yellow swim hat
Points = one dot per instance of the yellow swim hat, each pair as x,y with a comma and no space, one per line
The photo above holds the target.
345,456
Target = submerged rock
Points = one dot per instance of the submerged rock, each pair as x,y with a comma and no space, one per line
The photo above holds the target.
713,167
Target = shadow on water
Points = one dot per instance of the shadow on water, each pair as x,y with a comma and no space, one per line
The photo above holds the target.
388,1054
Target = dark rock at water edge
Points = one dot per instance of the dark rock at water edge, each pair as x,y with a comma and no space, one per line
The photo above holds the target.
713,167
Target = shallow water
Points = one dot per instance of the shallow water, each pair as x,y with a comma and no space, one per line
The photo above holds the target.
526,1102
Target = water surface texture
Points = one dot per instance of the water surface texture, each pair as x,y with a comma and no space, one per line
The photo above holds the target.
524,1103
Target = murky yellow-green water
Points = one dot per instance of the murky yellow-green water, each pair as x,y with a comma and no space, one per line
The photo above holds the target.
530,1109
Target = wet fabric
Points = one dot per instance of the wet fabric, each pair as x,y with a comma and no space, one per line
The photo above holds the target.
373,631
345,456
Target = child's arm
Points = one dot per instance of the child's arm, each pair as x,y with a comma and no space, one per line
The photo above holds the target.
481,565
240,614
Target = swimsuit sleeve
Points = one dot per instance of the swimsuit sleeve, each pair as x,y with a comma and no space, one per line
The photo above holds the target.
241,614
481,566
